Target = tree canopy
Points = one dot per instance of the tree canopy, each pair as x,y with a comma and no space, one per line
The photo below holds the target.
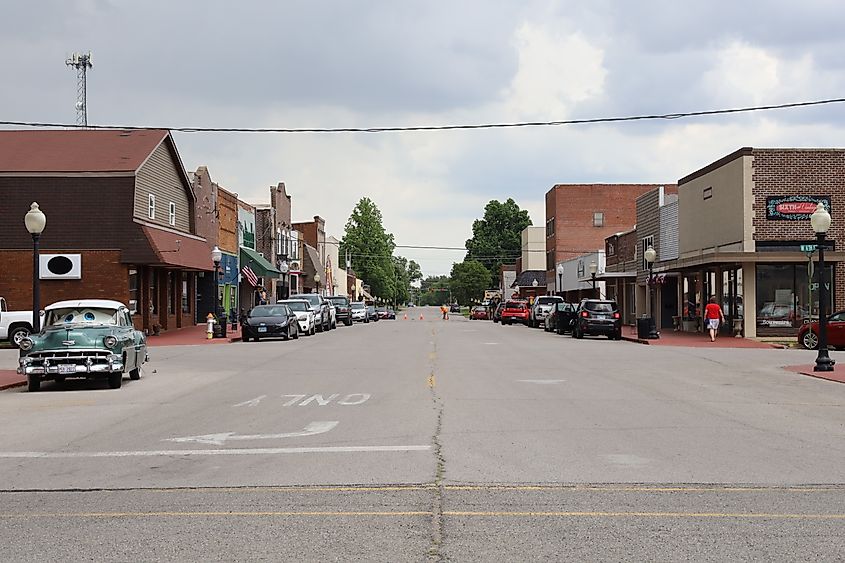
496,237
468,282
371,248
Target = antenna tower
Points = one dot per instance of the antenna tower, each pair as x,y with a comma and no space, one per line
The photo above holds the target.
81,62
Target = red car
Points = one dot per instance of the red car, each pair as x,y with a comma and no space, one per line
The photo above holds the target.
479,313
808,334
515,311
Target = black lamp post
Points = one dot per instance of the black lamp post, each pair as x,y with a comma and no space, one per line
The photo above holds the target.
216,257
820,221
35,222
593,269
650,256
317,282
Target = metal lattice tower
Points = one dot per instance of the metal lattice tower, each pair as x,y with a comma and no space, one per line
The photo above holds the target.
81,62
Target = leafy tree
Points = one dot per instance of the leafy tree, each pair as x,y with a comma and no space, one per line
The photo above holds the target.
371,248
496,238
469,280
434,290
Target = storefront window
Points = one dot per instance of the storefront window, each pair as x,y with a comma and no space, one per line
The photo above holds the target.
692,297
153,292
786,297
171,293
186,308
134,284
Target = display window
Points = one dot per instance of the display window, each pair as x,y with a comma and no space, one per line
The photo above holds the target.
788,296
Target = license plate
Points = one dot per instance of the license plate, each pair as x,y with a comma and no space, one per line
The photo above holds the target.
65,369
262,329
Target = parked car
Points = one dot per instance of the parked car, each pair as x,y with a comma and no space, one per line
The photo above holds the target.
359,312
372,314
808,334
342,309
386,313
598,316
454,308
14,325
270,321
515,311
304,315
320,307
85,338
479,313
497,313
561,318
540,309
773,314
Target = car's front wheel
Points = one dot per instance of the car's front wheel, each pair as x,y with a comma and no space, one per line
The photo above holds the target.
33,383
135,374
810,340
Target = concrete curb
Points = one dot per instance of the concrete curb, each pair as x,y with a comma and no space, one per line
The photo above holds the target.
12,385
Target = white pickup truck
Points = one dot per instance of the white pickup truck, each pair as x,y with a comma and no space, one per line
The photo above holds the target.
14,325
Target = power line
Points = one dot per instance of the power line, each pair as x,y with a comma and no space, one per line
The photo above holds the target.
644,117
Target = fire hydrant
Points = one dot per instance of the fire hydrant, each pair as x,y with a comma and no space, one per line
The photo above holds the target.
209,325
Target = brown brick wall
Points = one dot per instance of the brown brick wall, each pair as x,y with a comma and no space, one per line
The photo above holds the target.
800,171
103,277
227,237
573,205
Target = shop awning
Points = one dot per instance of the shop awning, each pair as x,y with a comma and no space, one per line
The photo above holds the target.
257,263
168,248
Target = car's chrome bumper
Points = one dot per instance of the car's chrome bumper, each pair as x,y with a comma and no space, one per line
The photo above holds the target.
78,369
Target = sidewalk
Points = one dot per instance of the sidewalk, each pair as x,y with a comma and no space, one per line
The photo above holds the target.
695,340
838,373
10,378
192,335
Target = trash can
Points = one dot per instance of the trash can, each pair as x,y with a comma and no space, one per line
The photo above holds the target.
643,327
220,328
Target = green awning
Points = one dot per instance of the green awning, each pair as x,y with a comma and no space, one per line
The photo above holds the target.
257,263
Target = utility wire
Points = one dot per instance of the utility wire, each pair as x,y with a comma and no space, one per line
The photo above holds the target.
644,117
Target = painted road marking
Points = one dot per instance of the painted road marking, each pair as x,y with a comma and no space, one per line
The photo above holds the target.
251,403
629,460
222,437
491,343
529,514
235,451
541,381
320,400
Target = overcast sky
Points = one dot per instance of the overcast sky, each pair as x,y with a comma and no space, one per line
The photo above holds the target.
396,63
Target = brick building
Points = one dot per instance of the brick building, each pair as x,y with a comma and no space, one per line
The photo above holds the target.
620,274
313,236
580,216
120,209
742,221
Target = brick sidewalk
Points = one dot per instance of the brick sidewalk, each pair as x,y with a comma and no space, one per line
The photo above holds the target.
695,340
10,378
192,335
838,373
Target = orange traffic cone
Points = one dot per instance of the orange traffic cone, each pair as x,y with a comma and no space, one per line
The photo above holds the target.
421,317
405,318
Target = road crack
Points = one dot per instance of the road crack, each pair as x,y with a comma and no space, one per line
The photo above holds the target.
435,550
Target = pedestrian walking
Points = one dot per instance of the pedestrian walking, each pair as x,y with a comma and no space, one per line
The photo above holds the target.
713,316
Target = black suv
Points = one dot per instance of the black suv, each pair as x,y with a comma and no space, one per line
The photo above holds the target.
598,316
343,308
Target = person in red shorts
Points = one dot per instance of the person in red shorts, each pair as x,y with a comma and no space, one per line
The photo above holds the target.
712,317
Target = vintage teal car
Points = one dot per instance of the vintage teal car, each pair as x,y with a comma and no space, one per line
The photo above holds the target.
86,338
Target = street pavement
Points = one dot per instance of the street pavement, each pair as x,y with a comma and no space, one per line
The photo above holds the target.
415,440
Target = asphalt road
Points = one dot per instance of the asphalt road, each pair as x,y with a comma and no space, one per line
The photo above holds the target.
415,440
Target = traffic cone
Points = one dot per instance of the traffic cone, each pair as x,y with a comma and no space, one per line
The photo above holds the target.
405,318
421,317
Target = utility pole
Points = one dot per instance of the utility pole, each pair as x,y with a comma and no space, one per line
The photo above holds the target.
81,62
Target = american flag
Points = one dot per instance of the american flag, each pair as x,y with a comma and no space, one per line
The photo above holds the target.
250,275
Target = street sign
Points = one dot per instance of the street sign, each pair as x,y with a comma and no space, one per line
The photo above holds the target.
809,247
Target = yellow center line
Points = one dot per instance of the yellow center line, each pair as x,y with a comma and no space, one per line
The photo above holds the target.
651,515
431,381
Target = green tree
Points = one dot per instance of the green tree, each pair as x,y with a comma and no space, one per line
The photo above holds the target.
496,238
469,280
434,290
371,248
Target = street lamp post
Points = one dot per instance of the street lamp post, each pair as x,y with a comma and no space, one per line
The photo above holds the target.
317,281
216,257
35,222
820,221
650,256
559,278
593,269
